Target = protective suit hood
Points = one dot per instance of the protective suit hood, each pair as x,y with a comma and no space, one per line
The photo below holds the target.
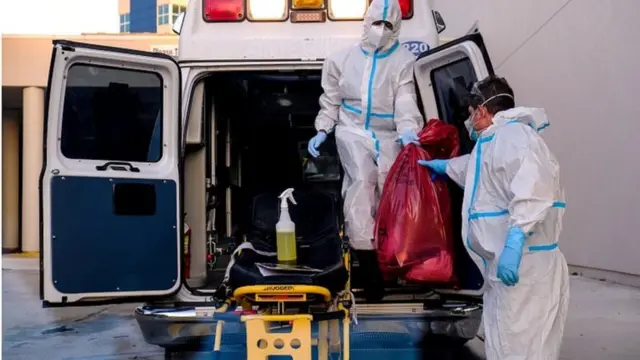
534,117
386,10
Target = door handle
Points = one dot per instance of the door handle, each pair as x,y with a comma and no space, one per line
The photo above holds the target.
117,165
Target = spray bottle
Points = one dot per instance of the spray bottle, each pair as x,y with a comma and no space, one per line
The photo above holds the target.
286,231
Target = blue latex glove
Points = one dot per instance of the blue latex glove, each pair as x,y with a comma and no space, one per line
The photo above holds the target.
509,261
438,166
409,137
315,143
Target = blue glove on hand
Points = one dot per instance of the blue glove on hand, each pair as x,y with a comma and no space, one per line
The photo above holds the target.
315,143
409,137
509,262
438,166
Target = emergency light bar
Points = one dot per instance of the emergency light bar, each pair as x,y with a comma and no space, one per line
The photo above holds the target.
307,4
406,6
301,10
347,9
223,10
267,10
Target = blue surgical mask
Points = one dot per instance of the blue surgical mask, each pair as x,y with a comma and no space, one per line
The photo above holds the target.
473,134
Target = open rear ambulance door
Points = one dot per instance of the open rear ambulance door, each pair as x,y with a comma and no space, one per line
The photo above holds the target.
110,191
444,75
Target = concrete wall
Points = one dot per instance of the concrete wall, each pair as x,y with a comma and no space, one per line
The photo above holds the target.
144,16
580,60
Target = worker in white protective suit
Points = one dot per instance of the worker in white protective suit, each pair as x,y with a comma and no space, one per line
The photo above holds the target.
369,100
512,218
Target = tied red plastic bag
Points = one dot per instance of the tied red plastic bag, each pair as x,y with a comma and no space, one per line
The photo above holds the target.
413,233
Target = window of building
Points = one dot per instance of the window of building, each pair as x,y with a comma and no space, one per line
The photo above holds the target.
112,114
177,10
125,23
163,14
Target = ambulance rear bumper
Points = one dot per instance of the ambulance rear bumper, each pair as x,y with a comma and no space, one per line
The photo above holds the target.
194,327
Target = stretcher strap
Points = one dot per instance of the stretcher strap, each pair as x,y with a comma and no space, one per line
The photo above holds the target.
236,252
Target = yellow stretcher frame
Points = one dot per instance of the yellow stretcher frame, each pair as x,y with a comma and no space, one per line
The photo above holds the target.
298,343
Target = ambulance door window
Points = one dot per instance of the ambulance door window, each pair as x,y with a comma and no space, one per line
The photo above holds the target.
451,84
112,114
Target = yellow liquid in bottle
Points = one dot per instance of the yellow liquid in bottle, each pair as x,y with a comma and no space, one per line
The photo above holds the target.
286,243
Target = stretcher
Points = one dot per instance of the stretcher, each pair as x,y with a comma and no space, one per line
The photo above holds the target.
284,319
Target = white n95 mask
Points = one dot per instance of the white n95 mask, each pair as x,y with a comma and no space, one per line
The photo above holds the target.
379,36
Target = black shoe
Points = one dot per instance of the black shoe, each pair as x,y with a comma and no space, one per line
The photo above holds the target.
370,275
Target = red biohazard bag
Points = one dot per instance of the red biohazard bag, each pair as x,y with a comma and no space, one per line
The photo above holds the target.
413,233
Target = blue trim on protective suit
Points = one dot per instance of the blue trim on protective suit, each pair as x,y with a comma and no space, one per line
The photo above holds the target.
486,139
543,126
382,116
548,247
485,214
540,128
385,54
385,10
376,144
474,189
480,215
357,111
351,108
367,119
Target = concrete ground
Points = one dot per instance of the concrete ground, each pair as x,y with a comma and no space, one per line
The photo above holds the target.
604,322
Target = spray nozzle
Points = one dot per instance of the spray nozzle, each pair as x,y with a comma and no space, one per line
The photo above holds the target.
287,195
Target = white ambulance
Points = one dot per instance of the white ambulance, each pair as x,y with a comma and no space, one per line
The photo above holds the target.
139,144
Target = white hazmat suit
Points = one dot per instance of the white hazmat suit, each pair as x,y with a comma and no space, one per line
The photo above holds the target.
369,99
511,179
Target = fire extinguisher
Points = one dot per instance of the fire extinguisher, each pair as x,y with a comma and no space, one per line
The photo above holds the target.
187,256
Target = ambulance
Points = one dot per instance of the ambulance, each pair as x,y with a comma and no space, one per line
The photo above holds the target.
156,169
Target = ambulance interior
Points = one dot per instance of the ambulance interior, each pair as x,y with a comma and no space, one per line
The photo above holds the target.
247,135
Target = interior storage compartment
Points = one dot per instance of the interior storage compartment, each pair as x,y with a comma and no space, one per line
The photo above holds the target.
251,139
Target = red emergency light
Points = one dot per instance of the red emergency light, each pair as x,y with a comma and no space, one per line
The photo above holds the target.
407,8
223,10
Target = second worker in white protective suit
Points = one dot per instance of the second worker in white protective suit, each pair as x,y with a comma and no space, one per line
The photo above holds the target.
511,222
369,100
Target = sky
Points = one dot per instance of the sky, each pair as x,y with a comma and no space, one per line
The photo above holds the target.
60,17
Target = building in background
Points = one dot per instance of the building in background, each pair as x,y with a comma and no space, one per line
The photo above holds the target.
585,82
144,25
149,16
